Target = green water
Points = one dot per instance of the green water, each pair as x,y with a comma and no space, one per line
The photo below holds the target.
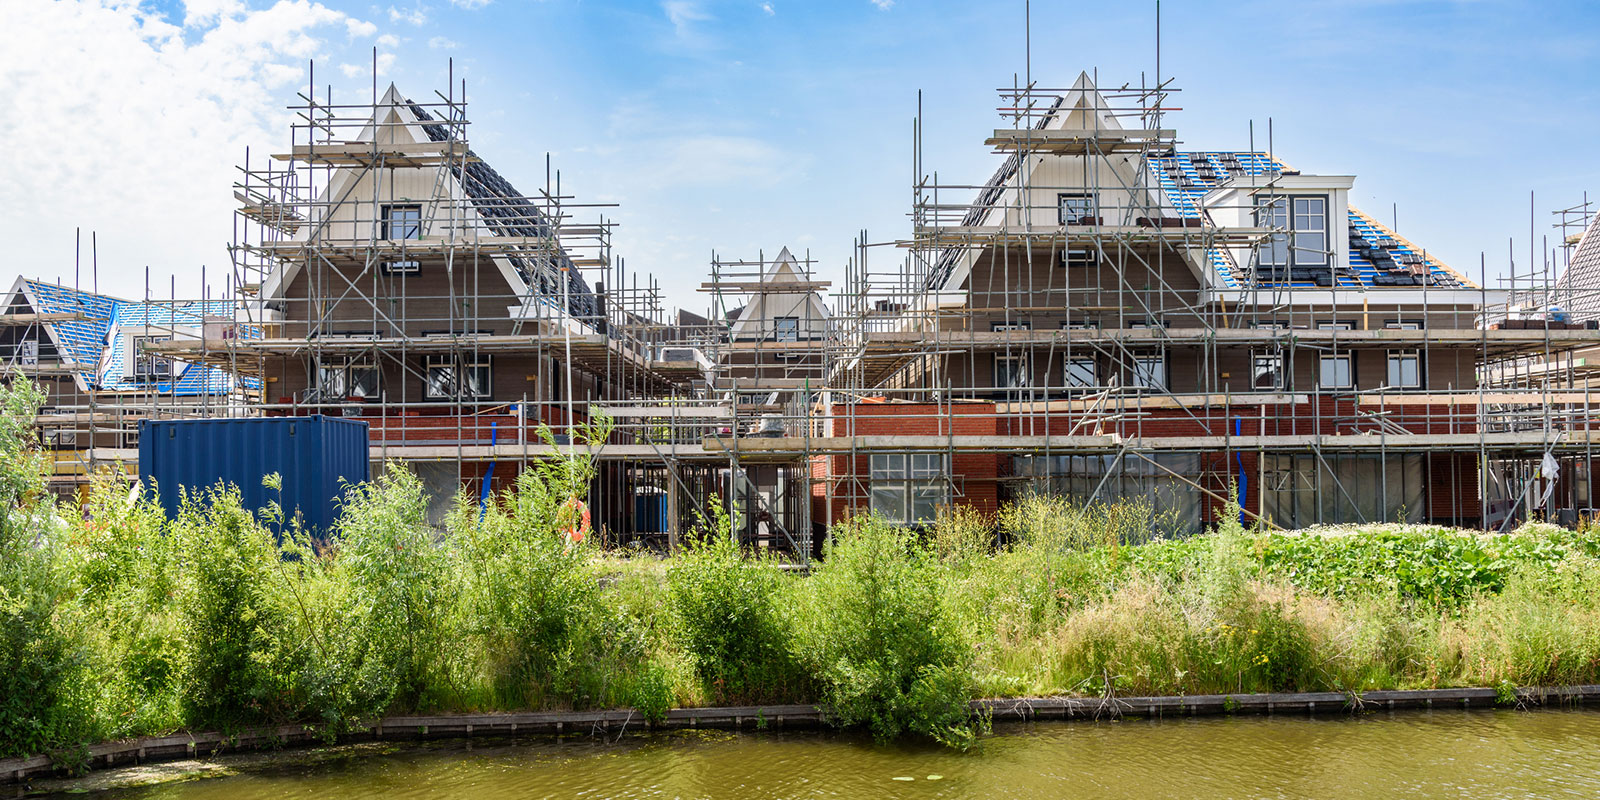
1483,754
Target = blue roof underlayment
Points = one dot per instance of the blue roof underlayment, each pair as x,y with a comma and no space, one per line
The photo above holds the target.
1203,171
100,334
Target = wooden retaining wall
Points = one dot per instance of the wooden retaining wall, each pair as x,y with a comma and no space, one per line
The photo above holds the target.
618,722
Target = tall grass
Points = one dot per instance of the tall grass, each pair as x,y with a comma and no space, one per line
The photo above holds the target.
117,621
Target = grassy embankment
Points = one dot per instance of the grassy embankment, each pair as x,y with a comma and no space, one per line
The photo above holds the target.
117,622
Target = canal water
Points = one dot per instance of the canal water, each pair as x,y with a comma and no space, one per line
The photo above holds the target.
1476,754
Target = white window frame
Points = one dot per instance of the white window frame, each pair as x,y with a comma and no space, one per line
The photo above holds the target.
402,266
1018,371
1141,376
908,488
1304,236
455,368
1327,359
1273,358
1397,367
1080,374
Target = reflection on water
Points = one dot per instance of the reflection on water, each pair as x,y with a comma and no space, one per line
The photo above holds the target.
1480,754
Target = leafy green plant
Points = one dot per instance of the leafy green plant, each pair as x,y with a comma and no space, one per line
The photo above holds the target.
875,629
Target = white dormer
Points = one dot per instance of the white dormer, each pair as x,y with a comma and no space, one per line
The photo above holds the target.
1311,210
153,367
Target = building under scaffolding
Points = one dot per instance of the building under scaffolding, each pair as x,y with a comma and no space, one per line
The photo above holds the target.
1110,315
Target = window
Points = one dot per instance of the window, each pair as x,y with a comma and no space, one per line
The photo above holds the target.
446,377
1080,257
786,329
344,379
1078,208
1335,372
1150,371
1336,326
1011,326
1010,372
1302,240
1146,323
1080,373
1403,325
150,366
908,488
402,222
402,267
1405,369
1081,325
1267,371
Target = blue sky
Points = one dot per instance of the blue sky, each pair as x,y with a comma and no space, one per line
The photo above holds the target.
748,125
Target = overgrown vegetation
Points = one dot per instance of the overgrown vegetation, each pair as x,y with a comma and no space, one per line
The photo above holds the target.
116,621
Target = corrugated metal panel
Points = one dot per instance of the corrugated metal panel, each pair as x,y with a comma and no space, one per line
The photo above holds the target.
316,456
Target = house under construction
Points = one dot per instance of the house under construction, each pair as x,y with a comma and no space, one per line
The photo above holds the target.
1111,314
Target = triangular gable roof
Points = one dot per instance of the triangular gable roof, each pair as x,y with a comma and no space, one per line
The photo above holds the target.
1082,107
498,205
783,269
80,342
1578,288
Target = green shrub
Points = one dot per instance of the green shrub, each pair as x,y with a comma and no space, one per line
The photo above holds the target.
399,594
726,606
235,669
874,627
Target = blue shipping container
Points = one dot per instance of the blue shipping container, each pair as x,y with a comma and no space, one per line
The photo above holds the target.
316,456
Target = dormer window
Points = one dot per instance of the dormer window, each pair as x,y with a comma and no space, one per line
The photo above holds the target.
786,329
1302,225
402,222
150,366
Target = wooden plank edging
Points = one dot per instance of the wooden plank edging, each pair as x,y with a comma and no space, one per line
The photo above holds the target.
778,717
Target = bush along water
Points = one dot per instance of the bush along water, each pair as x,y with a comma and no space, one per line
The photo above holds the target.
116,621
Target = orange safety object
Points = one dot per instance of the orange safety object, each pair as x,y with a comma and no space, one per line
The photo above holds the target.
578,528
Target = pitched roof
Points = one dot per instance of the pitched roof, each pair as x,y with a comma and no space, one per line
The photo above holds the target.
197,379
509,213
80,341
1578,288
1378,256
94,345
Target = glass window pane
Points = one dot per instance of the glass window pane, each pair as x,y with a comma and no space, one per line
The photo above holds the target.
1268,372
926,497
363,381
1080,373
889,501
1150,372
926,465
1335,373
441,381
331,381
888,465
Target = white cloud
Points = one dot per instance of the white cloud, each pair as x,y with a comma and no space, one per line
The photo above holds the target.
359,29
415,16
767,7
385,61
147,121
470,4
203,12
683,14
441,43
388,40
883,4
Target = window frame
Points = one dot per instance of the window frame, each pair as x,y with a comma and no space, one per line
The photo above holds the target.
914,483
1093,207
778,325
388,221
1067,372
401,266
1283,250
457,367
1349,360
1138,362
1280,382
143,363
1019,377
